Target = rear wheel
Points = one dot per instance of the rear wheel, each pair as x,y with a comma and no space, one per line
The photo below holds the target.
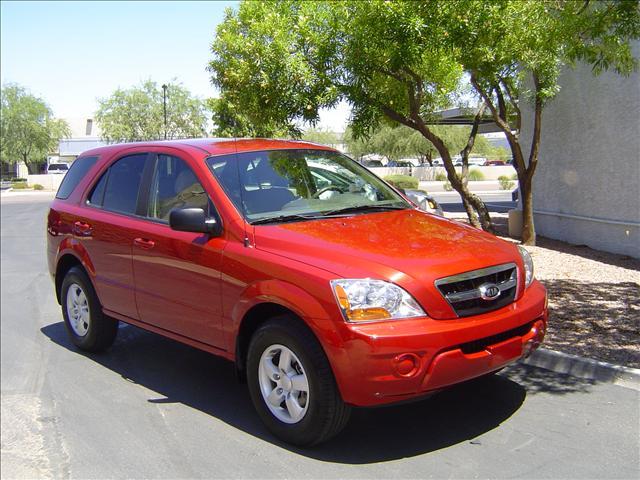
88,328
291,384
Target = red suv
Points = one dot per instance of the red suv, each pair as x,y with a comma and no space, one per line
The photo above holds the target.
323,284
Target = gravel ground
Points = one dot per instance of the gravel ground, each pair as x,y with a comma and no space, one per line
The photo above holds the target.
594,299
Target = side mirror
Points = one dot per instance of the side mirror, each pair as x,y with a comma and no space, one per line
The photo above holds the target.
194,220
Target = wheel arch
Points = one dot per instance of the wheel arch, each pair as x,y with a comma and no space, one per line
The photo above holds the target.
253,319
65,263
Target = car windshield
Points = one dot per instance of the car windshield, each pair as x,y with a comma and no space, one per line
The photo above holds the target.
283,185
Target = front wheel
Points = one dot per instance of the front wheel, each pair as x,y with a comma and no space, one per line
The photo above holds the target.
291,384
88,328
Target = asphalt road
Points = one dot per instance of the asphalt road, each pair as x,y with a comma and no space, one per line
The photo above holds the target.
498,201
152,408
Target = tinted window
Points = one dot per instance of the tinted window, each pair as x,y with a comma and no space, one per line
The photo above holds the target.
78,170
97,195
174,185
123,183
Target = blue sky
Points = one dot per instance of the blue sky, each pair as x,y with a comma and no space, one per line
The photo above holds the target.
71,53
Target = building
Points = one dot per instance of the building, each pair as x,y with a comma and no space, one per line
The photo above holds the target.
85,134
587,183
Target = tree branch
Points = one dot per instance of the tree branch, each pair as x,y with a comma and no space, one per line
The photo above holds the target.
537,123
514,103
506,128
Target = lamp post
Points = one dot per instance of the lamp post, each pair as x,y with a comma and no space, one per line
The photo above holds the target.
164,105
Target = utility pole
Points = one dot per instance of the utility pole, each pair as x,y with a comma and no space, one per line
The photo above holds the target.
164,104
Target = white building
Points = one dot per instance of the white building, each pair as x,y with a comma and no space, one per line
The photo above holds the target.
85,134
587,184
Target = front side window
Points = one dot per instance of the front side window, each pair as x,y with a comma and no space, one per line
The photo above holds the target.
174,185
118,188
304,183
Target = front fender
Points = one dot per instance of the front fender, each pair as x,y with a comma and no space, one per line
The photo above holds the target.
314,312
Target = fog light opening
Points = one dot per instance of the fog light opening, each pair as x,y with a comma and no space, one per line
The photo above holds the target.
407,364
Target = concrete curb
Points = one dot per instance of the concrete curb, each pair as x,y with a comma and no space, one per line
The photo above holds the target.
586,368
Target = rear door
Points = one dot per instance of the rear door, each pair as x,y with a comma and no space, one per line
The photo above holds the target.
177,274
107,227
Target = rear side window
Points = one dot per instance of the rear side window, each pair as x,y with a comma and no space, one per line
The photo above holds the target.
118,187
78,170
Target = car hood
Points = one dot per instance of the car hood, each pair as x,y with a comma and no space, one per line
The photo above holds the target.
406,247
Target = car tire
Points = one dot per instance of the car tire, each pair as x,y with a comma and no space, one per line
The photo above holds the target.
89,329
302,418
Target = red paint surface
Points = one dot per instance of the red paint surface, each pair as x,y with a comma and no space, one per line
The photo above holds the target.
198,289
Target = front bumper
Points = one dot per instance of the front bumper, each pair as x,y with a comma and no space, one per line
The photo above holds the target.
386,362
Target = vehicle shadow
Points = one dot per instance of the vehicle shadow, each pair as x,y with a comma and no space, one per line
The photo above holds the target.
181,374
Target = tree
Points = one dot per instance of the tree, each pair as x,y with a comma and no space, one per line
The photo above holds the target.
395,142
27,128
231,121
324,137
283,61
137,113
514,52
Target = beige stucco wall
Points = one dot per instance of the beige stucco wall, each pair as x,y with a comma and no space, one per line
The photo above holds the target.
589,163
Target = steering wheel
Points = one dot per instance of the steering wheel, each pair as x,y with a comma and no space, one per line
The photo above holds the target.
326,189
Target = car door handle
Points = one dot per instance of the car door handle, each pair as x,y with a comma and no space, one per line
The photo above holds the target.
144,243
82,229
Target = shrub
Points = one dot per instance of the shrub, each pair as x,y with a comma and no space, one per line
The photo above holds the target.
514,176
441,177
19,185
447,186
475,175
505,183
402,181
37,186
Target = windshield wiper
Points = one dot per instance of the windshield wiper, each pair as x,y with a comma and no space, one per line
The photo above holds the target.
285,218
362,208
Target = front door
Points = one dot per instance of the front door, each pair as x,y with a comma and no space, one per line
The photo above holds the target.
177,274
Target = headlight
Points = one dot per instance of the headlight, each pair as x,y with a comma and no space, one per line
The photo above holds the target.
528,265
365,300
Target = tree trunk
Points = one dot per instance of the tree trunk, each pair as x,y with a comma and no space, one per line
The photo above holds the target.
528,229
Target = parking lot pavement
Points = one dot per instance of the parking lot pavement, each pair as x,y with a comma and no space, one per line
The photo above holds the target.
153,408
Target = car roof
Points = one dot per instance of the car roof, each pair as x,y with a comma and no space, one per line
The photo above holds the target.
216,146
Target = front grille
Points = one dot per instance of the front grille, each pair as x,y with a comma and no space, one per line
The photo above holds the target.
469,293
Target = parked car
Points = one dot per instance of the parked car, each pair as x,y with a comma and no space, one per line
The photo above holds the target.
58,168
494,163
323,285
372,163
399,163
424,201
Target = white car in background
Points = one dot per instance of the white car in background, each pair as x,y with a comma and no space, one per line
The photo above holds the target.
58,168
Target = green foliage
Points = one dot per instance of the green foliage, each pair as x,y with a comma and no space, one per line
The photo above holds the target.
447,186
323,137
27,128
402,181
231,121
19,185
506,183
137,114
441,177
37,186
475,175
